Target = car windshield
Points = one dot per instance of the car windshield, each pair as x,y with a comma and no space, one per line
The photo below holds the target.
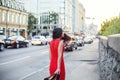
48,36
87,38
13,38
2,37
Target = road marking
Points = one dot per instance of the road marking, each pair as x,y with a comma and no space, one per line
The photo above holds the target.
14,60
39,70
44,52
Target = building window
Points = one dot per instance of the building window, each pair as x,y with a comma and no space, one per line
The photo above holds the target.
12,17
8,3
3,2
20,19
0,2
8,19
11,4
24,20
0,15
3,16
16,18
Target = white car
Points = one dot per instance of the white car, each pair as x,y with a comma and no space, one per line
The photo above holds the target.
88,40
49,38
39,40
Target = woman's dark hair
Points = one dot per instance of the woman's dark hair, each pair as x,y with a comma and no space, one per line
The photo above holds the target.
66,37
57,33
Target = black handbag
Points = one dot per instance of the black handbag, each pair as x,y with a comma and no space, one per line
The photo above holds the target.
53,77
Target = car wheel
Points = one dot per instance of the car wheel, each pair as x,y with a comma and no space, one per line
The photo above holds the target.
41,43
1,47
46,43
72,49
27,45
17,45
6,46
76,48
83,44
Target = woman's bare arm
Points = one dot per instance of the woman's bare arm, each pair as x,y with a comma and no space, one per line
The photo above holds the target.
60,48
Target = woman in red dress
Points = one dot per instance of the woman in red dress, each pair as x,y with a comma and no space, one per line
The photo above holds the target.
56,54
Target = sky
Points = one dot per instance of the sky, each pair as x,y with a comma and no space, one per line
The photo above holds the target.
101,9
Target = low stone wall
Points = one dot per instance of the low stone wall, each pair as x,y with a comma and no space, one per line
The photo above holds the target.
109,55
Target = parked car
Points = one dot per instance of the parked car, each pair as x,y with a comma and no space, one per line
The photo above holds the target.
88,40
2,43
16,42
79,41
49,38
39,40
69,47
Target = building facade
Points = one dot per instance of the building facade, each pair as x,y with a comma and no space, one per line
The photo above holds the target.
13,18
91,27
79,18
71,15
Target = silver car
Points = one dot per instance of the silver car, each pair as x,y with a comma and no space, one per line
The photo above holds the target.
39,40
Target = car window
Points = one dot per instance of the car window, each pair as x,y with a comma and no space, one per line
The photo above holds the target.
36,37
2,37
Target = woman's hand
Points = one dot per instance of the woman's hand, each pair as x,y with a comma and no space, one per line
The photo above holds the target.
57,71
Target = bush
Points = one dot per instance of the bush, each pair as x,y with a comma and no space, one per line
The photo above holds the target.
110,27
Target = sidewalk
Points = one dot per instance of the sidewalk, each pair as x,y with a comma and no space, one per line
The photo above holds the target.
83,64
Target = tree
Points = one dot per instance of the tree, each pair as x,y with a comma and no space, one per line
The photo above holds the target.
110,27
53,18
31,21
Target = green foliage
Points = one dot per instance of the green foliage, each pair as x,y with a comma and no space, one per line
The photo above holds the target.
110,27
53,18
31,21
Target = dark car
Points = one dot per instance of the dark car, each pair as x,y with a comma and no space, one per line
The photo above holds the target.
69,47
79,42
2,43
74,44
16,42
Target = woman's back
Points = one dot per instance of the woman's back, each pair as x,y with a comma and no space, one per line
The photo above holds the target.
54,58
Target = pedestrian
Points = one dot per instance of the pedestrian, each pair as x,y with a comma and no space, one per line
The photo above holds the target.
56,54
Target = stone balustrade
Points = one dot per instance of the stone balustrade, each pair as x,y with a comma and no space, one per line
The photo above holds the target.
109,55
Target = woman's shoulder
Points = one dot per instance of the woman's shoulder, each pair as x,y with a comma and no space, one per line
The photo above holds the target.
61,42
56,41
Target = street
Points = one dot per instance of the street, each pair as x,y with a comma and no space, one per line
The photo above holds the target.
32,63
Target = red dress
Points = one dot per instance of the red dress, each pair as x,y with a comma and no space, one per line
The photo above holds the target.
54,56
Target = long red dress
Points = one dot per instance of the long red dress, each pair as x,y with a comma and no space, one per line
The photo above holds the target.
54,57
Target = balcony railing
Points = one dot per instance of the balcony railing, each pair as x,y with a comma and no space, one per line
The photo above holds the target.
12,4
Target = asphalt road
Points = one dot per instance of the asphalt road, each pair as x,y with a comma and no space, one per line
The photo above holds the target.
32,63
17,64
